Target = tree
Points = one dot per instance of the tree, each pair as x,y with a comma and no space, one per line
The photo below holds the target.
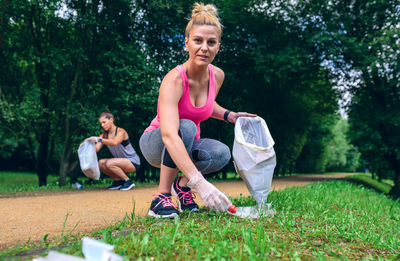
341,154
106,55
314,155
67,67
273,69
364,40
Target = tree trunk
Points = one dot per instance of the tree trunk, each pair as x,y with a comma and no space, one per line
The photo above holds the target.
224,170
41,167
277,169
64,165
44,137
379,172
395,191
65,160
43,81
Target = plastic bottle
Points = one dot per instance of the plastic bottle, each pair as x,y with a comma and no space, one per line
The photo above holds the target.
229,207
76,185
232,209
242,212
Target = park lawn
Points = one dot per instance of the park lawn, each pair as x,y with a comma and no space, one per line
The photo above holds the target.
366,180
325,220
12,182
15,182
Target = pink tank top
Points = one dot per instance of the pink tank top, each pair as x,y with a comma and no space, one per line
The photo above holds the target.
186,108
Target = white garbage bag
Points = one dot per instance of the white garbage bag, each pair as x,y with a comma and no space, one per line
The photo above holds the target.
254,156
88,160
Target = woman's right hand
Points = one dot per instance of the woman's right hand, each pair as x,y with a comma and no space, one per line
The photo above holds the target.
211,196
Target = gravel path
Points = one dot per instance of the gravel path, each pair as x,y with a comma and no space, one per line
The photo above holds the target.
26,218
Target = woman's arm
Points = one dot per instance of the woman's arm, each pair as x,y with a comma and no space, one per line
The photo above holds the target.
99,145
115,140
99,141
221,113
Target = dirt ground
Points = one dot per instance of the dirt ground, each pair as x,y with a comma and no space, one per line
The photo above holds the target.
31,217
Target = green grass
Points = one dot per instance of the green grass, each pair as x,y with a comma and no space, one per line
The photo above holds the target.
321,221
23,181
366,180
15,182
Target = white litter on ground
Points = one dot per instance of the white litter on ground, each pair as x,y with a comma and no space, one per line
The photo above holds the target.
255,212
92,249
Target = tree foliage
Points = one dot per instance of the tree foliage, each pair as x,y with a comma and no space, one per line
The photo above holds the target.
66,61
365,45
67,67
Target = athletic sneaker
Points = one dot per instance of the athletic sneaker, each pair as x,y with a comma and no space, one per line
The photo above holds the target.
163,207
185,196
127,185
116,184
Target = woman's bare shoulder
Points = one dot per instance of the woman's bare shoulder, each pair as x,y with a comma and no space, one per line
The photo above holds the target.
172,77
219,74
172,83
123,133
122,130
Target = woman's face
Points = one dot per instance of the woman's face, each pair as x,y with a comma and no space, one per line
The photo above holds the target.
202,43
106,123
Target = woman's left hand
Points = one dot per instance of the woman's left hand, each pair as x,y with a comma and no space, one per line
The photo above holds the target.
233,116
93,139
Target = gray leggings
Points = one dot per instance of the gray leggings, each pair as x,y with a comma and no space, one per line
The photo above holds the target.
208,155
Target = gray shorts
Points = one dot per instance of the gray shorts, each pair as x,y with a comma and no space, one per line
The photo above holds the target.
208,155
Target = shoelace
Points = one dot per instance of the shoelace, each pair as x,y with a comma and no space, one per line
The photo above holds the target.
164,200
187,197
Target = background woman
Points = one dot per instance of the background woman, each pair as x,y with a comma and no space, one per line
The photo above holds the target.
125,158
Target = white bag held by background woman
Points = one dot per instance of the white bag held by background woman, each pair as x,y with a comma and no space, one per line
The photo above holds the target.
254,156
88,160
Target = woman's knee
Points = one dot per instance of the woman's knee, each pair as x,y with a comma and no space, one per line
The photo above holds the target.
222,154
211,156
102,164
109,164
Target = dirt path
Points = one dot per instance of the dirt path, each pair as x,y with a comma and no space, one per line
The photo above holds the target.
32,217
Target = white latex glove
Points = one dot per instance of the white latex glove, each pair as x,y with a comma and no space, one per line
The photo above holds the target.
211,196
93,139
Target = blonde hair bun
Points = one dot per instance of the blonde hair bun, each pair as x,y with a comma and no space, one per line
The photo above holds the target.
201,8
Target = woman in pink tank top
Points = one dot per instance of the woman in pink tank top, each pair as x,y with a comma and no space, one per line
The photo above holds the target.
186,98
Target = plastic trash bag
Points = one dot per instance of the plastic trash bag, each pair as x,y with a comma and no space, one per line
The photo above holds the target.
88,160
254,156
